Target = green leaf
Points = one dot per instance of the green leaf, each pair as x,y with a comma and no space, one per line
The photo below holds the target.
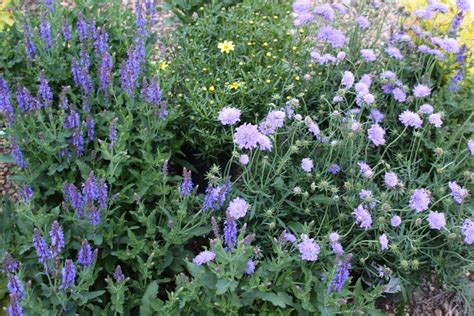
6,158
224,284
279,299
146,307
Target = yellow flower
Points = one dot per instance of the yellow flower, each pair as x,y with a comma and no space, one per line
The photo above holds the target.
226,46
212,89
163,65
234,85
297,78
269,54
265,44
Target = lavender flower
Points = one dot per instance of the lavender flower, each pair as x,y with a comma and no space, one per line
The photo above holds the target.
18,156
376,135
129,72
101,43
15,287
204,257
5,102
457,192
420,200
309,249
187,184
230,232
390,179
118,275
30,47
23,98
395,221
90,124
69,275
238,207
41,248
229,116
57,239
45,91
467,230
85,257
72,120
93,215
410,119
86,81
67,30
89,189
307,164
334,168
102,194
341,275
45,30
250,267
152,92
75,198
421,91
9,264
84,57
362,217
15,308
113,133
78,141
49,5
436,220
383,239
76,72
82,28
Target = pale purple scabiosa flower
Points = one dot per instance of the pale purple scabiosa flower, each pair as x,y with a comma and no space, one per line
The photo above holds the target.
30,47
273,120
325,11
394,52
376,116
309,249
57,239
41,248
187,183
376,135
334,168
347,79
85,256
314,129
229,116
457,192
337,248
435,120
363,22
365,170
426,109
436,220
390,180
470,146
410,119
246,136
15,309
288,236
421,91
341,275
307,164
334,237
467,230
368,55
335,37
463,5
45,30
362,217
118,275
244,159
250,267
339,8
395,221
420,200
204,257
15,287
69,275
383,239
238,207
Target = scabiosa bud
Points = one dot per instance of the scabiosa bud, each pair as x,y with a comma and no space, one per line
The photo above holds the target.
362,217
41,248
105,72
467,230
113,133
9,264
103,192
78,141
5,102
436,220
57,239
45,30
383,239
410,119
85,257
390,179
15,287
342,274
30,47
15,308
457,192
187,183
309,249
69,275
229,116
204,257
420,200
238,207
395,221
307,164
45,91
67,30
250,267
230,232
18,156
82,28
